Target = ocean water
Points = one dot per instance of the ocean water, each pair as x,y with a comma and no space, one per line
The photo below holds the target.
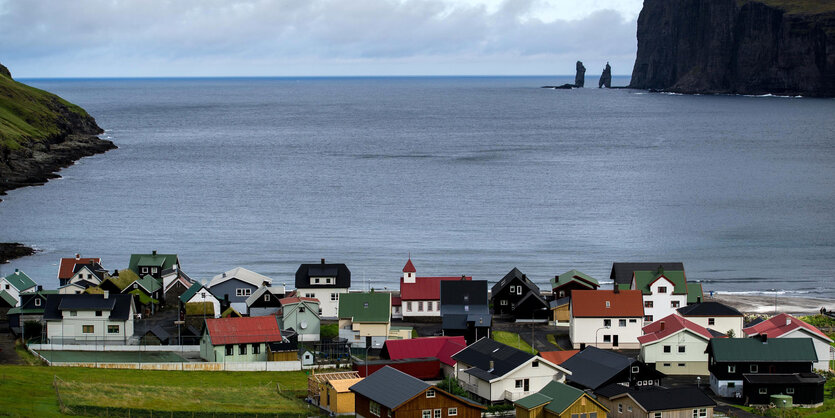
469,175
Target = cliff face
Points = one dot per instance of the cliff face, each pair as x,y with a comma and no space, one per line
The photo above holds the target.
41,133
737,47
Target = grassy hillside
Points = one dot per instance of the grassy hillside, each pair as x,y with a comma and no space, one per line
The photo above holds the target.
29,114
29,391
800,7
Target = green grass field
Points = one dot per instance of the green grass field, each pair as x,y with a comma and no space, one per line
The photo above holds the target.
111,357
28,391
512,339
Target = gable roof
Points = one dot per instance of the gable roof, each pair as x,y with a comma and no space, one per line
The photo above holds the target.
480,353
293,300
592,303
441,348
66,267
557,395
425,288
708,309
782,324
749,350
409,267
163,261
159,332
119,305
645,278
93,267
8,299
344,385
654,398
339,271
694,293
622,272
258,293
669,325
574,276
243,330
592,367
148,283
191,291
535,298
20,280
242,274
390,387
365,307
558,357
514,274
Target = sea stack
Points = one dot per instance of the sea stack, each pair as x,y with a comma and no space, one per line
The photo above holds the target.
580,78
606,77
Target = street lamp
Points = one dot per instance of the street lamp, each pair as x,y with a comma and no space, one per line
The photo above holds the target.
595,334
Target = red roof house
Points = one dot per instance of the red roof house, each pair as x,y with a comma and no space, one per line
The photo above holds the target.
246,330
441,348
607,303
780,325
670,325
557,357
421,296
66,268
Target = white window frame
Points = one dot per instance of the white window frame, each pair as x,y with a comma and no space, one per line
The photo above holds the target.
374,408
37,301
621,322
635,369
731,368
113,329
144,269
334,297
503,302
789,391
426,413
430,393
452,412
266,296
408,306
755,368
439,413
762,391
519,384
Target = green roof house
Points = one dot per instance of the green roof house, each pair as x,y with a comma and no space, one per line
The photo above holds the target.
365,318
563,284
14,284
192,301
559,400
147,293
153,264
664,291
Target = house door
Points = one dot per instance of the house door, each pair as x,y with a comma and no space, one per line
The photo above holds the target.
527,385
614,340
367,342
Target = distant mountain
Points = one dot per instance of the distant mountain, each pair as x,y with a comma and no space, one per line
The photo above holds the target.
784,47
40,133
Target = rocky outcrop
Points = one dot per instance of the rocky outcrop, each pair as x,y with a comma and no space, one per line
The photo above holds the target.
10,251
580,77
43,134
5,71
736,47
606,77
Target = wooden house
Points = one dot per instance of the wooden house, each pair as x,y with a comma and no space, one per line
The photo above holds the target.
239,339
325,282
465,309
517,296
560,311
393,394
558,400
237,285
564,284
716,316
593,368
655,402
265,300
66,267
331,391
175,282
787,326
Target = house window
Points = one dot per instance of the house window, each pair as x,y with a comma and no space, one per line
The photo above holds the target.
144,269
301,309
242,349
408,306
310,295
607,338
763,391
592,414
87,329
789,391
711,321
675,304
662,289
681,365
699,413
374,408
365,305
452,412
535,363
667,349
513,290
667,364
427,413
681,348
648,304
266,297
657,415
621,322
430,393
608,304
632,321
731,369
503,302
37,301
256,349
620,408
639,383
154,270
334,297
648,318
635,369
420,306
731,384
98,313
438,413
755,368
561,294
629,408
518,290
229,349
316,281
243,292
112,329
607,323
520,384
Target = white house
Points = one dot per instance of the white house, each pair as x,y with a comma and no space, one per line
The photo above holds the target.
16,283
675,346
715,316
663,291
421,296
197,294
606,318
324,282
88,319
787,326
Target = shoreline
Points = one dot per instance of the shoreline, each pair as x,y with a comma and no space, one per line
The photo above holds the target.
765,304
14,250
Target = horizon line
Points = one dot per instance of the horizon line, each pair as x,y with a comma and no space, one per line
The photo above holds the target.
299,76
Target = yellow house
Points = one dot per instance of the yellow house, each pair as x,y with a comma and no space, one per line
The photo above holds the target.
558,400
365,318
330,391
560,311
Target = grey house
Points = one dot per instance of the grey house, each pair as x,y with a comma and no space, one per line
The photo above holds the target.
237,285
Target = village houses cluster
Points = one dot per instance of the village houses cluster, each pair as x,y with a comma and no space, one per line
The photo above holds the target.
622,344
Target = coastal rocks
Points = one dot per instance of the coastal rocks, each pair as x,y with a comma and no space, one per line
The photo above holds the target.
10,251
5,71
606,77
580,77
732,47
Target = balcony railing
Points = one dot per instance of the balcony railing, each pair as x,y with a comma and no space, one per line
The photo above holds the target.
514,395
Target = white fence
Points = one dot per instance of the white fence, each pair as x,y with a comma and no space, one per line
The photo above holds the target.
250,366
134,348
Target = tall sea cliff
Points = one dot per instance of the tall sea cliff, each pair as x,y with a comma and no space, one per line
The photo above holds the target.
737,46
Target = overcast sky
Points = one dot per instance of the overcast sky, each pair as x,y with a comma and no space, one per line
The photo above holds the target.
160,38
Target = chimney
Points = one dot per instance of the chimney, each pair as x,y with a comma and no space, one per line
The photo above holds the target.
154,252
106,294
323,261
616,288
764,338
223,275
788,320
175,267
77,256
40,288
463,277
661,323
16,271
492,365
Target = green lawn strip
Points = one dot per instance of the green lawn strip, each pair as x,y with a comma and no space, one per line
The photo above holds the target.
553,340
512,339
328,331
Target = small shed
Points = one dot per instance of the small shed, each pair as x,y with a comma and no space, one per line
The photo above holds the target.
330,391
156,336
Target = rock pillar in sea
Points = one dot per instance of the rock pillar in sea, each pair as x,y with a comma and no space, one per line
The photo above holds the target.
606,77
580,78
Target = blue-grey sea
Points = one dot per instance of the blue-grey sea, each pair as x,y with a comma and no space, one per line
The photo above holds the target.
469,175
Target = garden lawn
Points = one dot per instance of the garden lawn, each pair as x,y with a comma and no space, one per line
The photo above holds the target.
28,391
512,339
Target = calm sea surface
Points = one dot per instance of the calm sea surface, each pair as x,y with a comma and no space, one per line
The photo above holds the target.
470,175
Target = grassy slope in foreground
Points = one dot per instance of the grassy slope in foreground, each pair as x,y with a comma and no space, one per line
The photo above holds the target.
28,391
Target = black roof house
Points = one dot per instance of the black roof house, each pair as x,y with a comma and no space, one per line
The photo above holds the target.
654,398
338,271
118,305
708,309
622,272
390,387
593,368
490,359
515,294
465,309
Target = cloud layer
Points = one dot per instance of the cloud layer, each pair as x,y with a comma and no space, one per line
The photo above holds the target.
43,38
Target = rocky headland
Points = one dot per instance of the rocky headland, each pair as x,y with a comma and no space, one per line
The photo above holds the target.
780,47
40,133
